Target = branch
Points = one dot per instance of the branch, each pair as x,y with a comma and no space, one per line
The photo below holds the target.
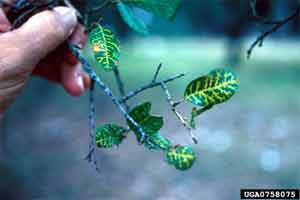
148,86
260,18
177,113
106,90
100,7
156,72
120,86
92,126
276,25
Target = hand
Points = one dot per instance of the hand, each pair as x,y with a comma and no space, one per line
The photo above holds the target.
38,48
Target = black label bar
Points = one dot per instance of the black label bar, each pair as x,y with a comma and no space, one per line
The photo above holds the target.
270,194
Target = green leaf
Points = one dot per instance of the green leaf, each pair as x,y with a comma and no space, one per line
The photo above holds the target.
109,135
105,46
181,157
157,141
216,87
129,18
162,8
150,124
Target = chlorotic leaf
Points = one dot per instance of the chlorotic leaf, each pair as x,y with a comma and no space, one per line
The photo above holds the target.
216,87
109,135
150,124
181,157
158,142
129,18
162,8
105,46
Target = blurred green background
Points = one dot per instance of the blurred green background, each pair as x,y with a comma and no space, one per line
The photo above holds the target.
249,142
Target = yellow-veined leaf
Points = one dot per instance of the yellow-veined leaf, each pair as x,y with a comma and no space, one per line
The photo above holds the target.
109,135
214,88
158,142
105,47
181,157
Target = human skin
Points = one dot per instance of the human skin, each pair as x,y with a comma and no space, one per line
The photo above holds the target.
38,47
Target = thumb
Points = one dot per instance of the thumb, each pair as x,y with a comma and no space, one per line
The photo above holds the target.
43,32
23,48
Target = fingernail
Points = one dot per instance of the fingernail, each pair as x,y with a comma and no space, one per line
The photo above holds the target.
80,82
67,17
78,37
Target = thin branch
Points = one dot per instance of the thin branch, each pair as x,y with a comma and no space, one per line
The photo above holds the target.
177,113
156,72
120,86
177,103
260,18
260,39
92,126
92,120
106,90
100,7
148,86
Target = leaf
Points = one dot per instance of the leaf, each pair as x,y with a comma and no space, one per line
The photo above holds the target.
129,18
162,8
216,87
105,46
109,135
157,141
181,157
150,124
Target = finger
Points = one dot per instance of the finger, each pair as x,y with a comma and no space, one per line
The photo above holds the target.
72,79
78,36
53,72
86,80
43,32
50,67
4,23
